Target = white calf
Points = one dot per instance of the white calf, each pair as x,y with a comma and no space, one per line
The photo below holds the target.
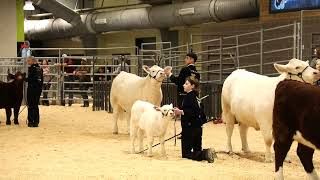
150,120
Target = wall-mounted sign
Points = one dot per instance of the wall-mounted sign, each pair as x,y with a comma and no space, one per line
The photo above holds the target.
277,6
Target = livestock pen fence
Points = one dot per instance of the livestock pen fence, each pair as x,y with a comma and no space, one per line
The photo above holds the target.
255,51
217,57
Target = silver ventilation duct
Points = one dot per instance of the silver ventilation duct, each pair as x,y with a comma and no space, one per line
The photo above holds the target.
59,10
162,16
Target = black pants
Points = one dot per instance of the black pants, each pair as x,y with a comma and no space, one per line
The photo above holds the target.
84,88
68,87
46,86
33,96
191,143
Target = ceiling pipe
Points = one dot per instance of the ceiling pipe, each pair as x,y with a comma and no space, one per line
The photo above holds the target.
162,16
59,11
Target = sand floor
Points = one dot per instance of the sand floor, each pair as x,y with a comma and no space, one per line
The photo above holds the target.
77,143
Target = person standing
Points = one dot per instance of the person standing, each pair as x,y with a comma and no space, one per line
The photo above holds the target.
316,58
35,83
84,78
100,75
188,70
69,78
47,81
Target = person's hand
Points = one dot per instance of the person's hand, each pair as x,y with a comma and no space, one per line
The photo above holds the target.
177,111
167,70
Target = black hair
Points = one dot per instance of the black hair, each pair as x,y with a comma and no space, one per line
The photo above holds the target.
193,56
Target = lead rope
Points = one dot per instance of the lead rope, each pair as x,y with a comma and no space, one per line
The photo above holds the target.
175,136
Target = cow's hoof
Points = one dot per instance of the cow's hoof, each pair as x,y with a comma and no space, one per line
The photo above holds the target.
8,123
115,133
246,151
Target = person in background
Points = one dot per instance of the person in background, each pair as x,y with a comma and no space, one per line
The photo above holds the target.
100,75
46,81
35,82
25,51
123,66
68,77
84,77
315,61
191,124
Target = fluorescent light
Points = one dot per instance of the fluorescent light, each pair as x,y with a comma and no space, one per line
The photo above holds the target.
186,11
28,6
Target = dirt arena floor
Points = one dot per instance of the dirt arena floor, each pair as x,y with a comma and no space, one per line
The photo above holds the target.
77,143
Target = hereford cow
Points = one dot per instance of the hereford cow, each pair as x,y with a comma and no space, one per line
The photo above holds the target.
248,99
11,95
296,116
127,88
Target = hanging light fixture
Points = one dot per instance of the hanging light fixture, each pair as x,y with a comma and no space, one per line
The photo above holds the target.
28,6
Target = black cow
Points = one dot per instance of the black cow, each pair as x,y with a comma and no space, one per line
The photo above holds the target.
11,95
296,117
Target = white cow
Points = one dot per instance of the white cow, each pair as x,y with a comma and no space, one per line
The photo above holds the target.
151,120
248,99
127,88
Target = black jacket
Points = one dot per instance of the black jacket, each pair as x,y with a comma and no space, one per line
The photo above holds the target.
35,76
191,109
184,73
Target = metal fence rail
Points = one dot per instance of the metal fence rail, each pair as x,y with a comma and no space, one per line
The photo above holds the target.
255,51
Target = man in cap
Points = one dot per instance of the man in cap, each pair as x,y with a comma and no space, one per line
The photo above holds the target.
188,70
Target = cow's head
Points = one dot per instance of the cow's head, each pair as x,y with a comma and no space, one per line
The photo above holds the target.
155,72
298,70
18,77
10,77
166,110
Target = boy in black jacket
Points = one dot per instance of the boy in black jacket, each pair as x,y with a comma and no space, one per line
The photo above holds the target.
35,82
191,123
185,72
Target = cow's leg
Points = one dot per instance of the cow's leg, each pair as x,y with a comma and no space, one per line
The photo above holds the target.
268,139
163,150
281,149
305,155
16,114
243,129
230,120
150,142
8,113
133,136
140,137
127,116
116,114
